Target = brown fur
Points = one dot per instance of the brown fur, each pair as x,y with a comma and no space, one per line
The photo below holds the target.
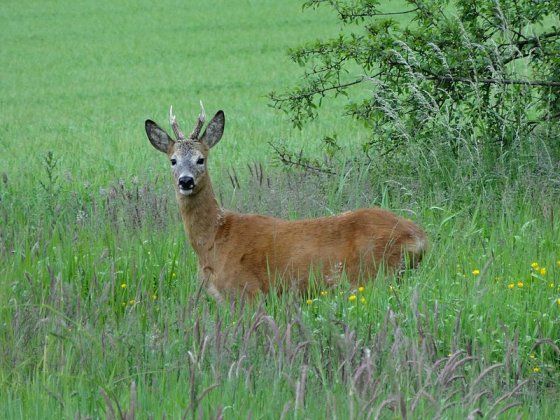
249,253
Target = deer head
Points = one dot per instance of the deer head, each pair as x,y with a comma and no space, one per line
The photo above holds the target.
187,156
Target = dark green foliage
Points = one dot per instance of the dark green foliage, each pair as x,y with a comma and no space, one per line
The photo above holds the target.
458,73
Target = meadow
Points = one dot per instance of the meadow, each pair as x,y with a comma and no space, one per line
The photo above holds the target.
100,311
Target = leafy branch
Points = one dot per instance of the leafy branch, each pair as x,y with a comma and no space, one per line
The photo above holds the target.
448,70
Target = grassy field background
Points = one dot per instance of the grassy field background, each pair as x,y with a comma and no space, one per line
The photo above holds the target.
100,312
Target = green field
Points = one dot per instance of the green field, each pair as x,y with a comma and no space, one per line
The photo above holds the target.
100,311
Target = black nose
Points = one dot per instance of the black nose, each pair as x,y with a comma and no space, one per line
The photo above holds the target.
186,182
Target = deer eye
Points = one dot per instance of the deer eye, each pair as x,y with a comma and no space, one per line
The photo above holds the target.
200,161
173,162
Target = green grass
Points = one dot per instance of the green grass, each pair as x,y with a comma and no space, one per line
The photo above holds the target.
78,79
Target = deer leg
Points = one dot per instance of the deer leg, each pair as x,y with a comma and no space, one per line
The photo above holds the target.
205,276
215,293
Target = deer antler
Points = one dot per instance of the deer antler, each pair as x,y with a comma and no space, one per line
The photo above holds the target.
199,123
173,121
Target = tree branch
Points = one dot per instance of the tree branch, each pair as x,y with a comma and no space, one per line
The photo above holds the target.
288,160
346,16
285,98
495,81
537,39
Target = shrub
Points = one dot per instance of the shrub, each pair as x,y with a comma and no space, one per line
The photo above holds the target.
461,74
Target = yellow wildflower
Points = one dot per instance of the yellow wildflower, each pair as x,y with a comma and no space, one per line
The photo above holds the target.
154,296
535,265
131,302
542,271
324,293
551,285
123,286
361,289
476,272
532,355
362,300
558,301
511,286
352,298
558,263
519,284
536,369
309,301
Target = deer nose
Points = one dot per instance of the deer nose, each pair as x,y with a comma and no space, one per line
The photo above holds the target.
186,182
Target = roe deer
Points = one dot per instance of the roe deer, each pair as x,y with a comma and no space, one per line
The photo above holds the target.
248,253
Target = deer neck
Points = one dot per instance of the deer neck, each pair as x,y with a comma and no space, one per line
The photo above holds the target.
201,217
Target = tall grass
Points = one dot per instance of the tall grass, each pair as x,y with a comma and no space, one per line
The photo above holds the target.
103,297
100,311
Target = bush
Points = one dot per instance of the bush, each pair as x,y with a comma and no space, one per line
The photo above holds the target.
459,74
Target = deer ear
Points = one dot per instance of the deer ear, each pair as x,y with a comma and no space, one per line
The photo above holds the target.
158,137
215,130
